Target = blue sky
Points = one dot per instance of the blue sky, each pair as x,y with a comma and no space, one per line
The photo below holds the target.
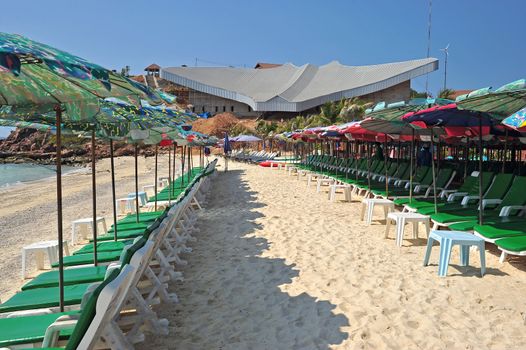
486,36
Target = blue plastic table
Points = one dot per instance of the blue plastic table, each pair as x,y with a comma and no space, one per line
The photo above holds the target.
447,239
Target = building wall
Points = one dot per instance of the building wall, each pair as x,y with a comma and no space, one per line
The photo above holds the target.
203,102
399,92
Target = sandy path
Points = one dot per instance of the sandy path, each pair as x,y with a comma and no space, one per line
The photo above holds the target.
277,266
28,212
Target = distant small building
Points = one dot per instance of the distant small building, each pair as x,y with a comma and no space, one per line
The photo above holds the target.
153,69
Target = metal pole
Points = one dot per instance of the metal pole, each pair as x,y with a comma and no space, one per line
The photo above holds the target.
183,150
504,153
136,183
434,172
466,160
114,196
172,186
169,176
411,165
369,164
156,179
386,152
481,208
189,164
94,196
58,112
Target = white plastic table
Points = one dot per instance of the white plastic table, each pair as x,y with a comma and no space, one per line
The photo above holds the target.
368,205
401,218
149,189
82,225
125,205
337,186
142,197
40,249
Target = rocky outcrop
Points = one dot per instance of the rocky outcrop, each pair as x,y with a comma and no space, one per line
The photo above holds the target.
28,145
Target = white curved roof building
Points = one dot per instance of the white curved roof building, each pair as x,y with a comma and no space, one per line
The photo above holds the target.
291,88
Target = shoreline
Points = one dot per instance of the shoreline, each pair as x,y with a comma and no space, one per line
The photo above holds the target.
28,212
77,170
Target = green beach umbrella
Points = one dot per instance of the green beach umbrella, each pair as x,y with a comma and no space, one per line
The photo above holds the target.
36,79
500,103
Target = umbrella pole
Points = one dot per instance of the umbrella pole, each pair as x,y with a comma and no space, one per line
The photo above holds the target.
433,171
466,159
172,186
170,177
369,165
399,154
505,151
358,151
156,180
58,112
386,152
94,197
189,165
481,208
411,165
136,183
112,164
183,150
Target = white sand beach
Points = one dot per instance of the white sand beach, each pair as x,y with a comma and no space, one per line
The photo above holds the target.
28,211
277,266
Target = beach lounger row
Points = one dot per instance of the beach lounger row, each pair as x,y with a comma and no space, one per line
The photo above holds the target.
252,156
457,207
112,304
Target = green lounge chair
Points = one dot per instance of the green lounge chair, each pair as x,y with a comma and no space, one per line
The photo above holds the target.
468,187
82,328
494,189
512,203
512,245
39,298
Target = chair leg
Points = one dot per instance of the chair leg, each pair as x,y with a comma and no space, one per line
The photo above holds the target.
362,212
387,228
503,257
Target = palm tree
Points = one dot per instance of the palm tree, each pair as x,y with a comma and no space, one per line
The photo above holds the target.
354,109
446,93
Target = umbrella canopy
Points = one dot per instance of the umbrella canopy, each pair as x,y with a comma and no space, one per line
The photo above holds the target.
501,103
394,111
516,121
455,122
35,77
247,138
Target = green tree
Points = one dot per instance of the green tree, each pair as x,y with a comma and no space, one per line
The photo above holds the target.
446,93
416,94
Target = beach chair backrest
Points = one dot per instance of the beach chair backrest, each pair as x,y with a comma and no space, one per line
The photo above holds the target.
443,177
421,173
500,186
129,251
106,303
515,194
487,179
141,260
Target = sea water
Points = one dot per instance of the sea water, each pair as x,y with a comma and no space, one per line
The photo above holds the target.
11,174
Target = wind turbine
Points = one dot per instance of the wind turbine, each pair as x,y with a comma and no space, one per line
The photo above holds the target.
446,53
